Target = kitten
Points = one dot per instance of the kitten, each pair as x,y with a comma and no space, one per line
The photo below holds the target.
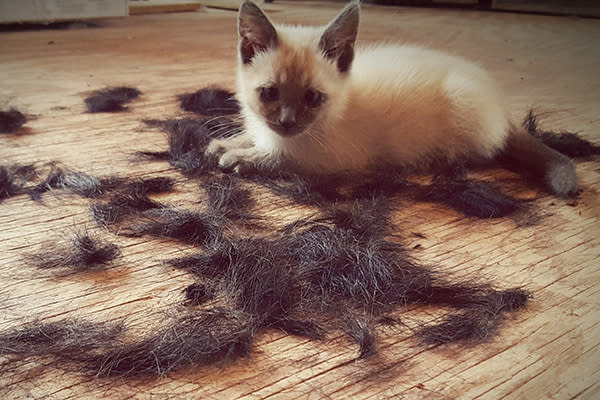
311,100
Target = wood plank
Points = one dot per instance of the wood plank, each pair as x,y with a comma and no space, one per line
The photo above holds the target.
585,8
162,6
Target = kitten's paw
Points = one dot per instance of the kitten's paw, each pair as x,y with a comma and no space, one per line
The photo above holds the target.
239,160
229,159
215,148
218,147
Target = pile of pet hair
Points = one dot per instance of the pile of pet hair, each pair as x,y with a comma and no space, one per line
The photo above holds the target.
11,121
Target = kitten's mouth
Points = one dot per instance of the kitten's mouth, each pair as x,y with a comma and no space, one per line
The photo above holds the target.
285,131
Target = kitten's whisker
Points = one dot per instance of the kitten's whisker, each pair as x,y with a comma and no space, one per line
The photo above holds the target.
225,129
216,118
316,138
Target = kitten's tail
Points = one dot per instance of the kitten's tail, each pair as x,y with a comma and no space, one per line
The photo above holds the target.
529,154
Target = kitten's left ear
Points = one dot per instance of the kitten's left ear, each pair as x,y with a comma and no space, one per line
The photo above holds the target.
337,42
255,30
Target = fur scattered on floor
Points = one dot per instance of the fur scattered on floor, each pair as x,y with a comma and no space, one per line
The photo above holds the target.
14,178
112,99
188,139
312,278
66,179
11,120
307,277
84,252
484,310
472,198
210,101
197,294
193,227
340,271
210,336
25,179
361,331
89,186
568,143
122,206
227,197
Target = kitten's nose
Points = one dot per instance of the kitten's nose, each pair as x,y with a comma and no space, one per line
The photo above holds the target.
287,118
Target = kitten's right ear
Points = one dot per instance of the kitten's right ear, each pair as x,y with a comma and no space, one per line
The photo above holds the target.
255,30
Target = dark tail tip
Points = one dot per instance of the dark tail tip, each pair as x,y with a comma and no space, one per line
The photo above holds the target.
561,178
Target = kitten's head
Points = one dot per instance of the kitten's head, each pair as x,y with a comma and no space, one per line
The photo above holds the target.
289,77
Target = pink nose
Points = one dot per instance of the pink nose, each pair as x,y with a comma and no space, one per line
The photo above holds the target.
287,118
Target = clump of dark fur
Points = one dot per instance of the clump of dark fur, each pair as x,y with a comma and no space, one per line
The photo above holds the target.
89,186
216,335
299,279
210,101
193,227
302,189
227,197
63,178
472,198
8,184
361,331
13,178
121,206
143,187
470,326
11,120
483,309
311,277
111,99
198,293
84,252
205,337
365,217
567,143
188,139
379,183
64,340
475,296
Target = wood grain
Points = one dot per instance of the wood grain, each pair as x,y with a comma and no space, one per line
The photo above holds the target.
550,350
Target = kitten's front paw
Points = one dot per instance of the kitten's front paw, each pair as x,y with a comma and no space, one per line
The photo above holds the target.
238,160
229,159
215,148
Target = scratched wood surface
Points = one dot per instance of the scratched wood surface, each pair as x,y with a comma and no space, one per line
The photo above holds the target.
550,350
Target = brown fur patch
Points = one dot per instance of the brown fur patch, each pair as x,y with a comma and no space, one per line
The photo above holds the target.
294,70
294,65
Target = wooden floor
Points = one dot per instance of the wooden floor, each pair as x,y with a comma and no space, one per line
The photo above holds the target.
549,351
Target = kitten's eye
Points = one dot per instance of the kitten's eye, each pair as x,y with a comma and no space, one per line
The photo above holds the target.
313,98
269,93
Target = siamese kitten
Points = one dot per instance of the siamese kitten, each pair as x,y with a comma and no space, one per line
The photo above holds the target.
312,100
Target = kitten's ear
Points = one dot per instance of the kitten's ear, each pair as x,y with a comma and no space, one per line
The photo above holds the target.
255,30
337,42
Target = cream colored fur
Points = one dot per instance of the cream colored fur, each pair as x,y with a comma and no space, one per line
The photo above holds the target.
398,104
